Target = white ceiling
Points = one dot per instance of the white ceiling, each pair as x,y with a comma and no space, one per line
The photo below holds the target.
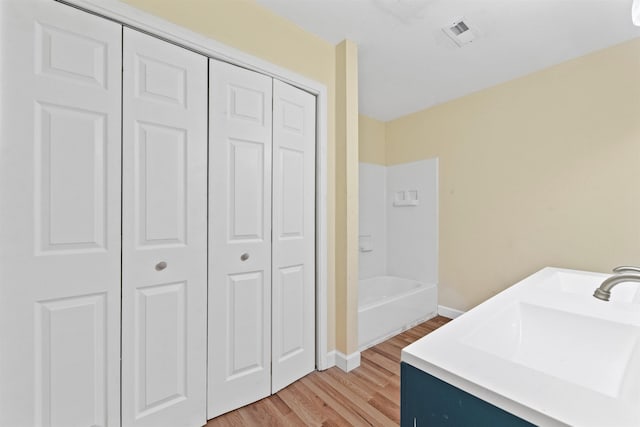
406,62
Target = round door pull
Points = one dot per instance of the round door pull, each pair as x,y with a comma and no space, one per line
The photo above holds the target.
161,266
244,257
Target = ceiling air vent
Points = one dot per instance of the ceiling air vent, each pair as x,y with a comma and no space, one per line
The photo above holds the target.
459,32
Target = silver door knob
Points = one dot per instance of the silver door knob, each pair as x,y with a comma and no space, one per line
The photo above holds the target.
244,257
161,266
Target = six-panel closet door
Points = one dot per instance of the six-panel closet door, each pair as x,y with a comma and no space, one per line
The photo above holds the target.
239,237
164,242
103,183
293,241
261,236
59,217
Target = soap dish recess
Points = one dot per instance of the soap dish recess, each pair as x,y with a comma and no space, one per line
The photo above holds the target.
406,198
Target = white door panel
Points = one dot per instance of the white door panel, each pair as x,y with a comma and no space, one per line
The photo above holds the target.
239,237
164,234
62,226
293,308
59,216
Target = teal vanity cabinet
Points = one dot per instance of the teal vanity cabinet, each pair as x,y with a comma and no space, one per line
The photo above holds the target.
426,401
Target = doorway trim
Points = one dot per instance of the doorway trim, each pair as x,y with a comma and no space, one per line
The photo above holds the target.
142,21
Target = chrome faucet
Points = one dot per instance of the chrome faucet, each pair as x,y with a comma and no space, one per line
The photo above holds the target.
604,291
626,269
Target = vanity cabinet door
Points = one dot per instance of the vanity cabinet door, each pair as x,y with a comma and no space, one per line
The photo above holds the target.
428,401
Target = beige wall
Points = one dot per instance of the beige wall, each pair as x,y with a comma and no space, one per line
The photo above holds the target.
543,170
347,197
247,26
372,141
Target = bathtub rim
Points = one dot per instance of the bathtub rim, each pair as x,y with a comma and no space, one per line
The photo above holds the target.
395,297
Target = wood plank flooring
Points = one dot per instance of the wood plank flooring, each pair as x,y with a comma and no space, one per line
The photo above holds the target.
366,396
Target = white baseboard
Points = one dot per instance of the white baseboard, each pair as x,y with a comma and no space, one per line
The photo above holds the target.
451,313
347,362
331,360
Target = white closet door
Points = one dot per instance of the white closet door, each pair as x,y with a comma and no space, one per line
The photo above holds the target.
293,306
59,216
239,237
164,261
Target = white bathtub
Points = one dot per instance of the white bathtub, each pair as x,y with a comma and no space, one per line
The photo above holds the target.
389,305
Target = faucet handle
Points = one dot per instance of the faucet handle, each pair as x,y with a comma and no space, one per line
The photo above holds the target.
626,269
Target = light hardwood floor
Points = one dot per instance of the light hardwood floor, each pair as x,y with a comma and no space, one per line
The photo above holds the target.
366,396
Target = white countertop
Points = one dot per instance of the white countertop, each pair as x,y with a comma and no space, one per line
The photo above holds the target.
546,351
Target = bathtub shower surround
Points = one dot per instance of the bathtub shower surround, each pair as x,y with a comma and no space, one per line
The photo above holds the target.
373,220
399,239
398,248
412,229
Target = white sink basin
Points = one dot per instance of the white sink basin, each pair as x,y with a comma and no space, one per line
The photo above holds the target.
587,351
545,350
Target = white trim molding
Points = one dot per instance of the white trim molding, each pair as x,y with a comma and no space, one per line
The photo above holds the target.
158,27
347,362
331,360
451,313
